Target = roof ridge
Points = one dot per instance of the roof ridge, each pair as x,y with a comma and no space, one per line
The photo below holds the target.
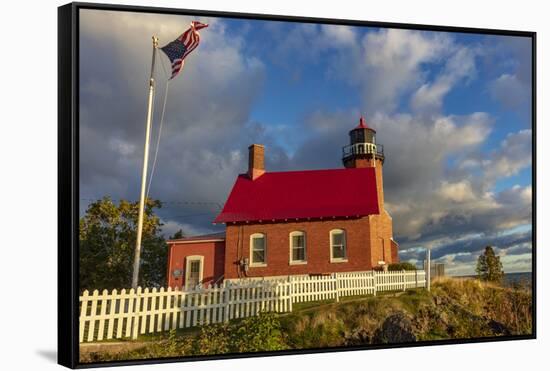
310,170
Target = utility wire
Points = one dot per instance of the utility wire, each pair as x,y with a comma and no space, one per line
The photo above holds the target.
189,215
166,203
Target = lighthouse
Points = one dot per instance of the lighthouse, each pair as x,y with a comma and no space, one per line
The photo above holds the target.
363,151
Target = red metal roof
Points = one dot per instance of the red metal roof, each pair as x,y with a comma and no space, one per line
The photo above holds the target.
301,195
363,125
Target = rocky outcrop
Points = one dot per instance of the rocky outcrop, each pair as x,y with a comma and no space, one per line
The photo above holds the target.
396,328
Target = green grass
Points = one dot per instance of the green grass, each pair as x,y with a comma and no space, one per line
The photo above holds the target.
351,298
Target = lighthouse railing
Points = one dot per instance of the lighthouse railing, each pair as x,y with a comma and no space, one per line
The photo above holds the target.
362,148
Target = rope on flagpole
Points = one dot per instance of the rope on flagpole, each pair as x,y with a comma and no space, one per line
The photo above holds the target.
160,129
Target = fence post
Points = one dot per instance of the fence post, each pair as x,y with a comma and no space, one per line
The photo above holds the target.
404,280
335,278
93,315
290,293
374,282
83,314
415,278
226,290
135,317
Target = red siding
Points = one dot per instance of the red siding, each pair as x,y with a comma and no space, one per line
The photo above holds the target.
213,265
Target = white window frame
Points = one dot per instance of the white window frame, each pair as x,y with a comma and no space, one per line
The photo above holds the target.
258,264
291,261
188,260
332,258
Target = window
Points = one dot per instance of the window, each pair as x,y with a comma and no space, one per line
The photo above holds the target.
338,251
193,270
297,247
258,249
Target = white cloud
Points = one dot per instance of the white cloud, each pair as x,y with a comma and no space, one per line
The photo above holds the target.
513,155
509,90
391,62
457,192
459,66
338,36
384,64
510,57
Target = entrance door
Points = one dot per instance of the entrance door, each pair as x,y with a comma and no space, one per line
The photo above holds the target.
193,274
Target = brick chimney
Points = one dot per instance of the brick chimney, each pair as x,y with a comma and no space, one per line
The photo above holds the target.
256,166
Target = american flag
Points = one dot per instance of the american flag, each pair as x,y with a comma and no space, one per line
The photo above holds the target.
180,48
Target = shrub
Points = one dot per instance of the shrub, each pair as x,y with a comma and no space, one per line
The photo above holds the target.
253,334
401,266
212,339
322,328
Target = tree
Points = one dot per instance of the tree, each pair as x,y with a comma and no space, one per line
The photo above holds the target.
107,243
489,266
179,234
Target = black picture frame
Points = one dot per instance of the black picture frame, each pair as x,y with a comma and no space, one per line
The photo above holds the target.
68,177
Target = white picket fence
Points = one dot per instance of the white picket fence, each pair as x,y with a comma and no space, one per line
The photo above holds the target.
129,313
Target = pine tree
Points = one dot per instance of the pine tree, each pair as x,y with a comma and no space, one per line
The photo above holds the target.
489,266
179,234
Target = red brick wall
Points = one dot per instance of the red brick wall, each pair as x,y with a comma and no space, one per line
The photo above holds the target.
213,264
317,247
380,184
381,235
256,165
381,225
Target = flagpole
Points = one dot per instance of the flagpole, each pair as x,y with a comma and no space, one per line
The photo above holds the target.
137,254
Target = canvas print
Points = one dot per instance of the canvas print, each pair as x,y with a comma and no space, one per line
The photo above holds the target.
264,185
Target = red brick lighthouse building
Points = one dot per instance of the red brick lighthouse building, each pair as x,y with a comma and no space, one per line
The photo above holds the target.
310,222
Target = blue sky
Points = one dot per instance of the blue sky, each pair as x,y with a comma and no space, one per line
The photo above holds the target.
452,110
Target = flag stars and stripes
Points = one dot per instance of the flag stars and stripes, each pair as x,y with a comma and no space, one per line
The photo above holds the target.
180,48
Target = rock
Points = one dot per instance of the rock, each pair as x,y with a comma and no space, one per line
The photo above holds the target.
498,328
397,328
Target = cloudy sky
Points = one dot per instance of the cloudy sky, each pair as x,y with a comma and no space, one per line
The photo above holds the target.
452,111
